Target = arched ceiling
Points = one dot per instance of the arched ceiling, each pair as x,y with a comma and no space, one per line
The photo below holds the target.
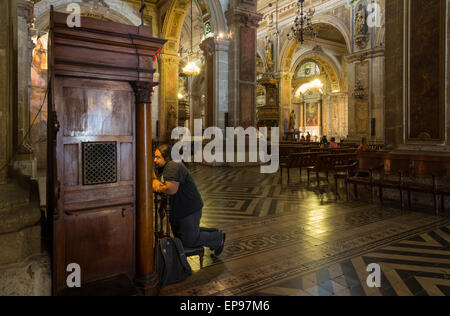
329,33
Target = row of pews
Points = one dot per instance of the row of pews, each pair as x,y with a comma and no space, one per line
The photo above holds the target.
405,173
314,159
379,170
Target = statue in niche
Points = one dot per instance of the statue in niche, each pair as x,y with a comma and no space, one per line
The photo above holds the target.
361,36
360,21
269,60
292,121
171,119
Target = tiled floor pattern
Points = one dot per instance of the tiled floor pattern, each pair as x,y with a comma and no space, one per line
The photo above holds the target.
291,240
419,266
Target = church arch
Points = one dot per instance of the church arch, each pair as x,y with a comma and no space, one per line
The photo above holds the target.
290,46
176,14
324,62
125,14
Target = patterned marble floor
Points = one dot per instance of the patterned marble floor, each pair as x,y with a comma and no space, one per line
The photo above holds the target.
294,240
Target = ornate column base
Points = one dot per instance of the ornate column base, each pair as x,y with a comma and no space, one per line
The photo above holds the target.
148,285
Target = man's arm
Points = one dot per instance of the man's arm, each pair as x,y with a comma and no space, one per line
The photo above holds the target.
170,187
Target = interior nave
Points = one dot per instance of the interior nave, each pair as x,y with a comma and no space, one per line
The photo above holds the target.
353,95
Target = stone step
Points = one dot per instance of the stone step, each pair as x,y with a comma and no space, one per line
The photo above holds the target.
29,277
13,195
20,227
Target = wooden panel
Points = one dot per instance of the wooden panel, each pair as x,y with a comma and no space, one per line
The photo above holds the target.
75,111
98,194
126,161
71,164
95,112
426,106
101,242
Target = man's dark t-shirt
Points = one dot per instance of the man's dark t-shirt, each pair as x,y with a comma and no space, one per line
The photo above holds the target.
187,200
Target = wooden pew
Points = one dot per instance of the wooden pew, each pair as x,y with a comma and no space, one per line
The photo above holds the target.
392,175
368,163
302,160
334,162
426,168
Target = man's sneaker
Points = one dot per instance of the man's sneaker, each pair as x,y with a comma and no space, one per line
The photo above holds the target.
219,250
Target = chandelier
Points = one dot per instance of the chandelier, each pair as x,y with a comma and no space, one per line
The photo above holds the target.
191,69
303,24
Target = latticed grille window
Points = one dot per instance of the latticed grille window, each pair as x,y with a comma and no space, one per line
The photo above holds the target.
99,163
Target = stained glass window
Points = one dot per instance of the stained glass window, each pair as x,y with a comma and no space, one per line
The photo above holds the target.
308,69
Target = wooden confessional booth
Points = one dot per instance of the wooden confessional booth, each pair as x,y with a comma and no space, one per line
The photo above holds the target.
99,151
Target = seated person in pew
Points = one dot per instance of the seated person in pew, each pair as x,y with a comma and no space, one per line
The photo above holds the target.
363,146
174,179
324,142
333,143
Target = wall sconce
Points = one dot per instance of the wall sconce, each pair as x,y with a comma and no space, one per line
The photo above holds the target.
359,92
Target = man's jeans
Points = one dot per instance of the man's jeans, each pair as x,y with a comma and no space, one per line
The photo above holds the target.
188,230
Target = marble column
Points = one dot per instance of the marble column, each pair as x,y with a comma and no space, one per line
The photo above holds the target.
242,24
169,64
8,81
216,55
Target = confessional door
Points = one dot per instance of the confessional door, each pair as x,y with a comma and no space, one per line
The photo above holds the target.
94,224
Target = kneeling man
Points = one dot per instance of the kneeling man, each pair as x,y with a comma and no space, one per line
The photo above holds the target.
174,179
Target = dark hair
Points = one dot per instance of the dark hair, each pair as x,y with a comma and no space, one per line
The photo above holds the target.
333,139
165,151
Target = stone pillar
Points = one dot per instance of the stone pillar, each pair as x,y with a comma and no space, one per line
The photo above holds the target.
8,81
366,68
328,105
22,145
24,20
169,64
151,18
377,102
285,86
216,55
242,23
302,118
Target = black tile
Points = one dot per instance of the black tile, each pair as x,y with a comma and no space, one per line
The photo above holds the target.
357,291
444,289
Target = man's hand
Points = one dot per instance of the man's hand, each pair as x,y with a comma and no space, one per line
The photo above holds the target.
170,187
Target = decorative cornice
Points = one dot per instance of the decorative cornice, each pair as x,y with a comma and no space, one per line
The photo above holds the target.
366,54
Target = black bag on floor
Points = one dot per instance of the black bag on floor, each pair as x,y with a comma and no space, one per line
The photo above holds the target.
171,263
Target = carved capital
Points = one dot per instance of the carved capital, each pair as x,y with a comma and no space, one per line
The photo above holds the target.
143,91
211,45
25,9
245,18
169,59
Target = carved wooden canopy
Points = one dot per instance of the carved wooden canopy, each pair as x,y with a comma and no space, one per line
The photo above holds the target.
109,50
